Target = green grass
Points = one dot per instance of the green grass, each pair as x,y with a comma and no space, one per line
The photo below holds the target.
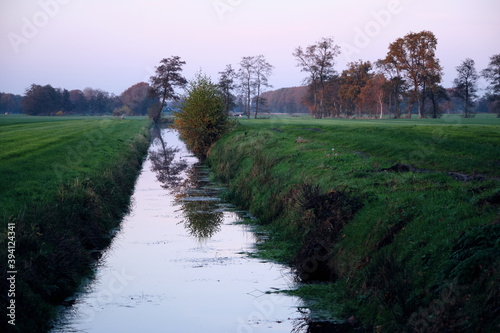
65,184
392,262
39,153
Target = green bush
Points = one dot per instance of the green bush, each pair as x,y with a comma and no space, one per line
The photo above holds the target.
202,118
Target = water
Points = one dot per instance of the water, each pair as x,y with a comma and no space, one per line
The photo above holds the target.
180,262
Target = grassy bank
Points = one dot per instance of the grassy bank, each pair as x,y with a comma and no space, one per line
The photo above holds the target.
65,185
398,221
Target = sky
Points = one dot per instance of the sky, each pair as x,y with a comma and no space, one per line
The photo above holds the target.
114,44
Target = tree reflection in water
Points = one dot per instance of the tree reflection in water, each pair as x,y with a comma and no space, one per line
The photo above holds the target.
200,203
168,170
199,200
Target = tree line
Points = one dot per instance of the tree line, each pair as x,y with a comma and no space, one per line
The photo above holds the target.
406,80
201,114
46,100
10,103
242,88
286,100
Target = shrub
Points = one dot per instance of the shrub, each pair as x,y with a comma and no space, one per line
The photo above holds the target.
202,118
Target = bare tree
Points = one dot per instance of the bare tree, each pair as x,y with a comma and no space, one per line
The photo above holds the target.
465,84
492,74
262,70
395,84
168,76
227,85
372,95
247,86
318,61
439,97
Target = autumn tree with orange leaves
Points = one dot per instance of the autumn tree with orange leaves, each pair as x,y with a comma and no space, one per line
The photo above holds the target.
414,56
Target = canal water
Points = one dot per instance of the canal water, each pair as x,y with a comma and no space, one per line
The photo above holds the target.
180,262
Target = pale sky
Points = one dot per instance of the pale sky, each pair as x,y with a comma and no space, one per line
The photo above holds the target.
113,44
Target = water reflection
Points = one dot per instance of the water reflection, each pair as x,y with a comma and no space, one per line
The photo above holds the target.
198,198
200,203
168,170
156,278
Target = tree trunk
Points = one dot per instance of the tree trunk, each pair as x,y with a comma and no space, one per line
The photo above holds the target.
157,116
257,101
321,103
256,106
390,106
422,102
381,106
248,101
410,109
466,115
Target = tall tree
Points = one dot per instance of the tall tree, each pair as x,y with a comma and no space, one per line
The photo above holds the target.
227,85
353,79
66,104
492,74
332,102
415,57
247,84
262,70
137,98
439,98
40,100
168,77
395,84
465,84
372,95
102,101
318,61
91,99
78,100
10,103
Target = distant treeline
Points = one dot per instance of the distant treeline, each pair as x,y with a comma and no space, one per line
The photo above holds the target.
293,100
286,100
10,103
407,80
47,101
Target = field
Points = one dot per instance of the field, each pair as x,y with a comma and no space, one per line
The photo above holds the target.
65,183
399,219
39,153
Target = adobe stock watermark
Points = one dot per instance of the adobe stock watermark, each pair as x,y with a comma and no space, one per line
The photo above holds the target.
151,71
222,7
76,155
363,37
264,310
30,27
115,286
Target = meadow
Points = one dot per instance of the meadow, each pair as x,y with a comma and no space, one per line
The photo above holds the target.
65,184
38,154
391,223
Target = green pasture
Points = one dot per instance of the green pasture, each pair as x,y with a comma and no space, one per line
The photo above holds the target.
451,143
38,154
415,234
65,182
